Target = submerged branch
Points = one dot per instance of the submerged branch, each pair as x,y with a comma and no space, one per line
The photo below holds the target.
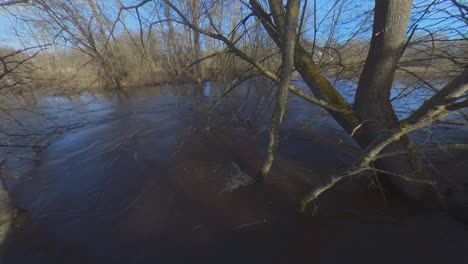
372,153
316,192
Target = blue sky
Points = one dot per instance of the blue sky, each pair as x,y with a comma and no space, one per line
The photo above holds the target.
6,36
352,14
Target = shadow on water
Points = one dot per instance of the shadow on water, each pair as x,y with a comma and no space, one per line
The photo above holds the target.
155,177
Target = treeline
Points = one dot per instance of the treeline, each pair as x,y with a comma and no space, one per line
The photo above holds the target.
88,44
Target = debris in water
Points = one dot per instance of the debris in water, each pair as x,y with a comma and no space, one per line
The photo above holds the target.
236,178
252,224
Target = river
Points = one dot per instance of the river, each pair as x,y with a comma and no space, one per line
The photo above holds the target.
155,176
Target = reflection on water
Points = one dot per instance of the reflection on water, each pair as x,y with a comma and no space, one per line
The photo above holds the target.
153,176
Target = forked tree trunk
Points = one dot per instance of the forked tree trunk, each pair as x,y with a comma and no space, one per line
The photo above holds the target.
373,114
372,103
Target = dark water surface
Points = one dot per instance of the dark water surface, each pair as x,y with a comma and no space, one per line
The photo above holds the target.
156,177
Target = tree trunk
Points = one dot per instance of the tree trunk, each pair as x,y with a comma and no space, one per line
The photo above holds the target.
172,47
288,41
372,103
305,65
196,41
113,71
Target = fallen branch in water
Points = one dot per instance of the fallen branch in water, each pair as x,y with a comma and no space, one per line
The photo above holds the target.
315,193
372,153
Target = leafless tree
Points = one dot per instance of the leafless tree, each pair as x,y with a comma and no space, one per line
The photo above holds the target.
371,120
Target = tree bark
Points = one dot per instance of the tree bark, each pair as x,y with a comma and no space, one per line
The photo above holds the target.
372,102
304,64
172,49
288,40
373,106
196,41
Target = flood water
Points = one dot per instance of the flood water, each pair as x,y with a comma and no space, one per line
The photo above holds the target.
154,176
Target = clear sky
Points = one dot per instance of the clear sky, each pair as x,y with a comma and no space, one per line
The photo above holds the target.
6,36
351,15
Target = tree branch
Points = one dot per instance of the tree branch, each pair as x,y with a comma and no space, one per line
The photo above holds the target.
455,89
255,63
13,2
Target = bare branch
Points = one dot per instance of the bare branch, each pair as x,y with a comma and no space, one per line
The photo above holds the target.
449,93
252,61
209,56
13,2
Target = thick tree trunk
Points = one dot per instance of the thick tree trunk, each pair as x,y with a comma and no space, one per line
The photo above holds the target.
372,102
